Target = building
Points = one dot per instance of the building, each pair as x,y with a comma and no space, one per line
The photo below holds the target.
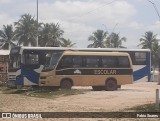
4,57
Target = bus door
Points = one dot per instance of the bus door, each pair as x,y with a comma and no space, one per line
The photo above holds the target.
70,67
31,67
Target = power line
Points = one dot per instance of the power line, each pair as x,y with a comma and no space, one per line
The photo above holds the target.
155,7
89,12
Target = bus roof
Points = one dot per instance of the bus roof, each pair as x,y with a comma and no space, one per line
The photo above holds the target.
85,49
95,53
113,49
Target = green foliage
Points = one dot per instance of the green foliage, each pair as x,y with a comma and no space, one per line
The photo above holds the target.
26,30
144,108
67,43
98,39
7,36
149,41
42,93
50,35
114,40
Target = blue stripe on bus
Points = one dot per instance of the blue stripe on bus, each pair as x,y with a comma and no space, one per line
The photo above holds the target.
31,75
138,74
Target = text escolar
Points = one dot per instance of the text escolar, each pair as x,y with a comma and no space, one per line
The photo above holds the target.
104,72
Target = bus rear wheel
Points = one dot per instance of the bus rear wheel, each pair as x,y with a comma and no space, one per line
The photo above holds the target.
110,85
98,88
66,84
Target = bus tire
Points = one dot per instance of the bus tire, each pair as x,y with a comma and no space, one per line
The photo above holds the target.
66,84
97,88
111,85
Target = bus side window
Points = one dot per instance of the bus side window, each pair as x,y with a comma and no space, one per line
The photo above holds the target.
123,62
31,59
66,62
109,61
92,61
77,61
140,58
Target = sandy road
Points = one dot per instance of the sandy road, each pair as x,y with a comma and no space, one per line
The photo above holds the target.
128,96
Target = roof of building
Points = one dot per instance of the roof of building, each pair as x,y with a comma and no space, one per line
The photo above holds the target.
4,52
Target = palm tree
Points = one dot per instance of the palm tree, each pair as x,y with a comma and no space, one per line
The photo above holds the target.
67,43
26,30
114,40
155,53
97,38
148,40
7,37
50,35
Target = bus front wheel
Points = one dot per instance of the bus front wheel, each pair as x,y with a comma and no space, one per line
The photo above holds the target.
66,84
111,85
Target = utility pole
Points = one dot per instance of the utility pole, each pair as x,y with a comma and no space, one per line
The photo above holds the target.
37,23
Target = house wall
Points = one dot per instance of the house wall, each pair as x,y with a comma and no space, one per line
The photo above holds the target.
3,69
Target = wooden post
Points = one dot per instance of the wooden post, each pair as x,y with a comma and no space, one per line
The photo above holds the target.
157,99
159,70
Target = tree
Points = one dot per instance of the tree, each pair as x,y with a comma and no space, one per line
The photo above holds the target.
114,40
97,38
26,30
148,39
67,43
50,35
155,53
7,37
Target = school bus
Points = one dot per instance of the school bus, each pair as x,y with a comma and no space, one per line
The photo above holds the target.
101,70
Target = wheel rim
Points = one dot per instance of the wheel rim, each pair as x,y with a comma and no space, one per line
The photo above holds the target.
66,85
111,85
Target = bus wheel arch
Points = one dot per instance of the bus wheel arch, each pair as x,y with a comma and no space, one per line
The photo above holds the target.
66,83
111,84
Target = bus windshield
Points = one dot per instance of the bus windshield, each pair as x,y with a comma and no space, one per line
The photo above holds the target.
51,60
14,62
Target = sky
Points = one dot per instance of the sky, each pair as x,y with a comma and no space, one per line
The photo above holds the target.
80,18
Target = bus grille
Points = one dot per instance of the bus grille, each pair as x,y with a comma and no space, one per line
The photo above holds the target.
11,77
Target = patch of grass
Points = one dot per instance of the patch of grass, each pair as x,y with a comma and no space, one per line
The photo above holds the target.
6,90
41,93
3,88
144,108
51,94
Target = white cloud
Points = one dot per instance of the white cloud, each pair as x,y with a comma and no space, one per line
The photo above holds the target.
4,1
135,25
78,33
155,26
80,18
5,19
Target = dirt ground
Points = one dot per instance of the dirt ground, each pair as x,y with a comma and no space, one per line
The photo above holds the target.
91,101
